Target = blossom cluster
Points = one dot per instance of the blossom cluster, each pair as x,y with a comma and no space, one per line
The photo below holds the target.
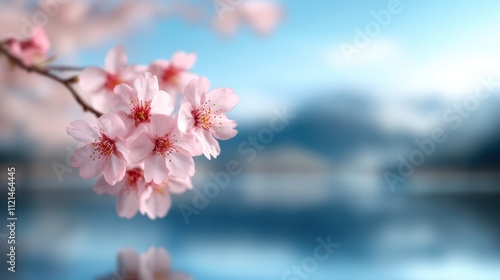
141,145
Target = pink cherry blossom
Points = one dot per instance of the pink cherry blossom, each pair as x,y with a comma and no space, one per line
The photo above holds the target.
261,15
202,114
174,75
164,149
140,102
30,51
102,151
157,200
101,82
129,191
154,264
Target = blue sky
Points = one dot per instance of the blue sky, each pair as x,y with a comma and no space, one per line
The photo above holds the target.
428,46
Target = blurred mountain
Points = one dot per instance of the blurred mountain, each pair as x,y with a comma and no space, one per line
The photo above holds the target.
339,126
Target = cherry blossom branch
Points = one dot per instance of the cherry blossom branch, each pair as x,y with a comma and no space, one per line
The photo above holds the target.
62,68
67,83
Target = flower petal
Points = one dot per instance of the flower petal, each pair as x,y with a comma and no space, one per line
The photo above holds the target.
210,144
180,163
83,131
161,125
158,204
89,167
92,79
179,186
223,98
195,91
146,86
139,147
161,104
184,61
116,60
114,169
102,187
127,204
111,125
123,98
155,169
223,128
185,118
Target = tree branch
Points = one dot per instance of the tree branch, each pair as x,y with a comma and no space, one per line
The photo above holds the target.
67,83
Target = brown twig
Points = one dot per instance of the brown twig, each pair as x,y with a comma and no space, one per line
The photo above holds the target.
67,83
63,68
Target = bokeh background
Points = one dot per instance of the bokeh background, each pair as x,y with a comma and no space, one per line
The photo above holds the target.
323,175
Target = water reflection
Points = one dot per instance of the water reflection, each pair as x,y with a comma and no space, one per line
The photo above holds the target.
155,264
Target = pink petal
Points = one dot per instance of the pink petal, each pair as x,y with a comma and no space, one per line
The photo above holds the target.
128,261
227,23
131,72
180,164
195,90
179,186
116,60
161,104
40,40
89,167
182,60
161,125
139,147
114,169
129,123
223,98
185,118
156,260
102,187
146,86
111,125
148,191
223,128
187,142
123,98
184,79
92,79
127,204
210,144
155,169
263,16
158,204
83,131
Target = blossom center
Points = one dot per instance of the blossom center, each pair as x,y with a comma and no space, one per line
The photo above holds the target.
171,75
141,112
111,81
164,146
204,116
103,148
133,176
